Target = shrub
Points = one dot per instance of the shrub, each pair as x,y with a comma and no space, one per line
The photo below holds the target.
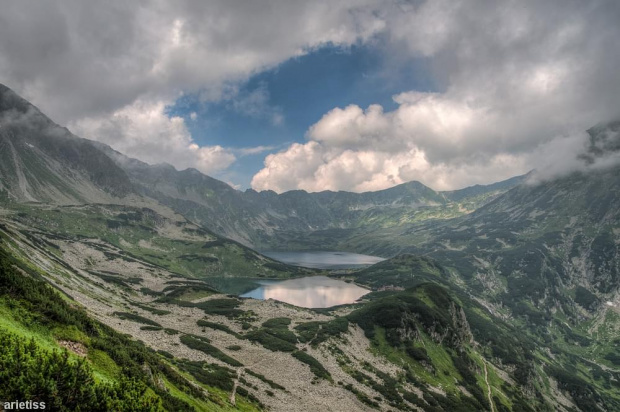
153,328
269,382
270,341
136,318
307,331
315,366
200,344
217,326
62,383
419,354
277,323
332,328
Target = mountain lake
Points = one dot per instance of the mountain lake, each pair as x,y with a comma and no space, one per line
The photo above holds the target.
314,291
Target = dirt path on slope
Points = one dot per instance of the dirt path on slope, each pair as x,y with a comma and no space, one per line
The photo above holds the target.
486,379
234,389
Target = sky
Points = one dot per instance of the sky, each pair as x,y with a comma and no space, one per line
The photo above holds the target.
352,95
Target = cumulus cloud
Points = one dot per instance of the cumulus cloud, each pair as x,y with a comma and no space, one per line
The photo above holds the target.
90,63
144,131
519,82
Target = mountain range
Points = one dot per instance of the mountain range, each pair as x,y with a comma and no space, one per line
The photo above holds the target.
496,297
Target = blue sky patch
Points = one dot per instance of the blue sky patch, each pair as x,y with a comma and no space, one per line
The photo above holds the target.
275,108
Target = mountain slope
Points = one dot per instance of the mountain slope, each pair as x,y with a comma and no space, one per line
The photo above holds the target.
43,162
56,185
540,247
297,219
568,226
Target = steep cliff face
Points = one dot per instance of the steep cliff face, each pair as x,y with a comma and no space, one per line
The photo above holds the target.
43,162
427,310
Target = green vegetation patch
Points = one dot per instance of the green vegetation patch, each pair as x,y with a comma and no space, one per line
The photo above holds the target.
585,396
205,347
220,381
104,364
277,323
218,326
318,332
406,309
177,290
585,298
70,333
210,374
136,318
315,366
269,341
154,311
403,270
65,384
275,335
334,327
151,292
117,280
361,396
151,328
269,382
307,331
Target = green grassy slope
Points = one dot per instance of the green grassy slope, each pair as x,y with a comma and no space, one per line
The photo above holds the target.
108,371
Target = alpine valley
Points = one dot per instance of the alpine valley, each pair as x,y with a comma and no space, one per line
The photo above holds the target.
119,286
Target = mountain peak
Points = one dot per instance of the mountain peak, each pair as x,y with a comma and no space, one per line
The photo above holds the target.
9,100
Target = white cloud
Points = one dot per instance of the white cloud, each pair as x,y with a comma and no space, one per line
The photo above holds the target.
249,151
144,131
521,82
233,185
90,63
430,138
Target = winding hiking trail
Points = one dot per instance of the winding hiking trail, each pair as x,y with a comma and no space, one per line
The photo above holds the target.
486,379
234,389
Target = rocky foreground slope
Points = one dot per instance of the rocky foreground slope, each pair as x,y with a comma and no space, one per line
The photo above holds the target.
430,347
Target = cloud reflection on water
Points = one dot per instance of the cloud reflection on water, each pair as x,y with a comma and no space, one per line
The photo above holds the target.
310,292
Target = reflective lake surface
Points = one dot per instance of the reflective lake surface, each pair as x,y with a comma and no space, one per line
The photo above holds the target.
324,260
308,292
